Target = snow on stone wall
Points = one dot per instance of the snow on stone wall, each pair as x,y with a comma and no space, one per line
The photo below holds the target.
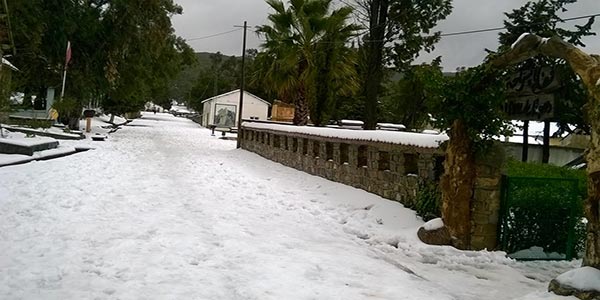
389,164
391,170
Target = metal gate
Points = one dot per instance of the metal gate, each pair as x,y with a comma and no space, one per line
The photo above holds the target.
541,218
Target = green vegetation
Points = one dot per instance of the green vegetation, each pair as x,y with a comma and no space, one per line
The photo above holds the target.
397,32
516,168
124,53
544,208
429,200
305,59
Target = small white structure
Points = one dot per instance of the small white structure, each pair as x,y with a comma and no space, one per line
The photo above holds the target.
222,110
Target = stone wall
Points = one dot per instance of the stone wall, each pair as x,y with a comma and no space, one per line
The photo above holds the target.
392,171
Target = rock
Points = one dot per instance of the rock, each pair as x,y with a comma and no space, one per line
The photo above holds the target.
440,236
565,290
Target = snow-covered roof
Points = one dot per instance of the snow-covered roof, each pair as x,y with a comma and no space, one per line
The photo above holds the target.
7,63
394,137
234,92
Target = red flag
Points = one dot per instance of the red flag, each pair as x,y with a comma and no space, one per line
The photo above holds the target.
68,54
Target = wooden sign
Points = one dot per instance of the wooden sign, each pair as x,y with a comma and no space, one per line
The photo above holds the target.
533,81
533,107
530,93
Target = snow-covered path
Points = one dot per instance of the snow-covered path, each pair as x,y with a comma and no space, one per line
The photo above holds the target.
163,210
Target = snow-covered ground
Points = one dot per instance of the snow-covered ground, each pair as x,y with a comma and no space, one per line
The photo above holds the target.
164,210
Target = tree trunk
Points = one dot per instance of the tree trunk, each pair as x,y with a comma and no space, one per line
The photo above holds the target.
374,59
592,206
301,111
457,185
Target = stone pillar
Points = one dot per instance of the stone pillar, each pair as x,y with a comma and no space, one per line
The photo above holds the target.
426,165
353,155
485,208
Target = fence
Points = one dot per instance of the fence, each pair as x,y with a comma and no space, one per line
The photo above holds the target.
541,218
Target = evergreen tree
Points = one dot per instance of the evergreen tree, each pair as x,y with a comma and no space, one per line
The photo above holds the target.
406,27
405,101
123,52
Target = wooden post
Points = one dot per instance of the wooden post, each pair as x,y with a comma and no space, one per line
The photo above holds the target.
546,147
525,154
88,124
241,104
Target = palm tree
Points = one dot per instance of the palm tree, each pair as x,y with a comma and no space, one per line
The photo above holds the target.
336,66
293,52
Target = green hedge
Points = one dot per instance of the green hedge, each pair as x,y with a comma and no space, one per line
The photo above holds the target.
540,206
516,168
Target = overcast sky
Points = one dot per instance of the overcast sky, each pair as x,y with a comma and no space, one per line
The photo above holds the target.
202,18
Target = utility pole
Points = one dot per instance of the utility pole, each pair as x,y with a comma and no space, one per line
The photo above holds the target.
242,83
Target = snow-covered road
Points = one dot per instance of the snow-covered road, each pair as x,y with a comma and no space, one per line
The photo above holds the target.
163,210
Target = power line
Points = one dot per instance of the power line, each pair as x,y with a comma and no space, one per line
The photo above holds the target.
502,28
442,34
214,35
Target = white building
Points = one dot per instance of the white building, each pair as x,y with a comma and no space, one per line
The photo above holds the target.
222,110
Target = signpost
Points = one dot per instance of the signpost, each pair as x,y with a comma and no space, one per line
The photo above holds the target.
531,97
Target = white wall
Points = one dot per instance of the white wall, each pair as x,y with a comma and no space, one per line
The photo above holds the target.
206,113
253,107
559,156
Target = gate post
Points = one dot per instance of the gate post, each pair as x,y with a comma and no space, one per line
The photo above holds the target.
485,207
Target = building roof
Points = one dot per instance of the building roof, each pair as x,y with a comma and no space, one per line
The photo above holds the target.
234,92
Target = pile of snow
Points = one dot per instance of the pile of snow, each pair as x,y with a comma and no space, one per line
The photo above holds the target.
352,122
522,36
429,131
584,279
116,120
394,137
433,224
20,139
536,253
390,126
